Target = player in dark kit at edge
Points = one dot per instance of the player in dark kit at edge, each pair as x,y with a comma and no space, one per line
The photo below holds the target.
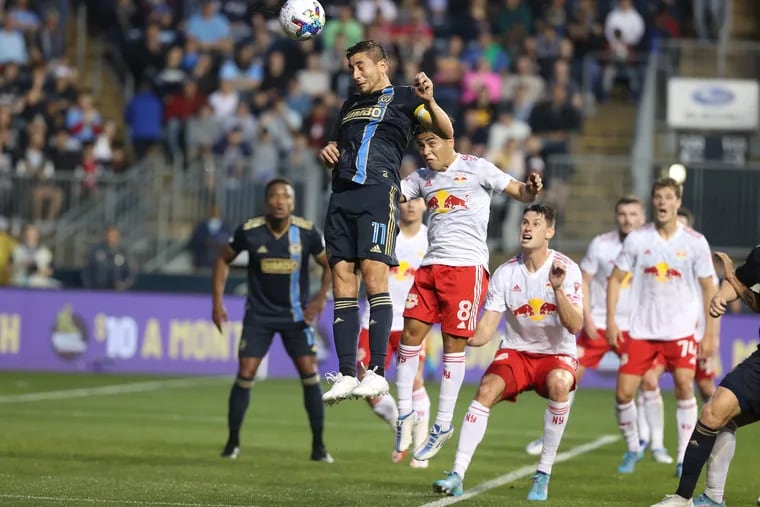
374,128
279,245
736,401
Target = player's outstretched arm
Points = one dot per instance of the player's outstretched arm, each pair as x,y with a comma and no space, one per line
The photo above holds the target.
219,280
487,325
317,304
613,295
436,119
525,192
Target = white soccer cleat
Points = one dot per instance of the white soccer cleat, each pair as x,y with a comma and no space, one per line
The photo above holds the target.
404,425
372,385
674,501
535,448
418,464
661,456
420,431
342,387
434,443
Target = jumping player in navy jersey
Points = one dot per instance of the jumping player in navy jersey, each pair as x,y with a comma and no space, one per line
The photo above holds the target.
279,246
365,152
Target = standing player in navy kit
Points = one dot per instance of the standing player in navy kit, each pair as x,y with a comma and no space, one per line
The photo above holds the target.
374,129
279,246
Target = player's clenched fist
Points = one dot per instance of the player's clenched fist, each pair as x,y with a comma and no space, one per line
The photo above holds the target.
557,274
330,154
423,87
534,183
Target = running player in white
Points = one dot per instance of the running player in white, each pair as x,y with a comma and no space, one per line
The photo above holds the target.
452,281
671,268
540,291
596,267
411,246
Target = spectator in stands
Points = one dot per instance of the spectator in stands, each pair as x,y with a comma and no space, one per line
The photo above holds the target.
35,165
477,79
515,22
51,36
621,61
144,116
60,91
526,75
104,145
554,120
32,263
66,152
370,11
506,127
346,25
26,19
147,59
202,131
7,246
12,44
83,120
244,72
170,78
709,18
89,171
522,104
210,29
179,109
108,265
242,120
225,100
209,235
629,23
6,178
314,80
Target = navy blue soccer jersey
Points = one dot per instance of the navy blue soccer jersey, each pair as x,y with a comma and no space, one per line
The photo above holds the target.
278,268
373,133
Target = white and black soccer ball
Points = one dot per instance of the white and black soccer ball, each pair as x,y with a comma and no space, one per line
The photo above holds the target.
302,19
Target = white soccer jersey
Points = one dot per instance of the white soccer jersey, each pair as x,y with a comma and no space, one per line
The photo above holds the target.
409,251
599,262
665,281
459,202
530,305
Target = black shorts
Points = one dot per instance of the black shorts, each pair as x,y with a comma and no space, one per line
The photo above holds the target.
362,223
744,382
298,338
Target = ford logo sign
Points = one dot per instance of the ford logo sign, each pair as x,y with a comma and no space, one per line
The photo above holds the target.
713,96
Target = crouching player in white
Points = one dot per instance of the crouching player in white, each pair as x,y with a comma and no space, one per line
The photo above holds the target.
540,292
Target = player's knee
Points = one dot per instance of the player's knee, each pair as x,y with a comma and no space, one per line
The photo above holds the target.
411,336
558,385
713,417
650,382
310,379
490,391
623,395
453,345
247,368
684,389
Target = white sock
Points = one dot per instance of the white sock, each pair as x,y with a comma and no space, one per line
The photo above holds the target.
686,417
718,463
555,420
655,418
473,429
626,416
406,370
641,419
385,408
421,407
451,382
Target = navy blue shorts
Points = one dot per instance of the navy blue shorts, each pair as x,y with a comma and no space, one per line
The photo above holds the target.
744,382
362,223
298,338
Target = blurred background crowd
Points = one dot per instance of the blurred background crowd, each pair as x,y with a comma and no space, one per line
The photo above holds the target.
219,91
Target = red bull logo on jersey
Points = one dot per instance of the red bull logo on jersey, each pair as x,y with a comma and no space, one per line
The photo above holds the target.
460,178
662,272
444,202
404,271
535,309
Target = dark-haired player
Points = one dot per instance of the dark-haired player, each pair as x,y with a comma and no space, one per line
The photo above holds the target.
374,128
279,245
540,293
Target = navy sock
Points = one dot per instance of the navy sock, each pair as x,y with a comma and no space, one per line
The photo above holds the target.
346,333
380,321
697,452
315,408
240,397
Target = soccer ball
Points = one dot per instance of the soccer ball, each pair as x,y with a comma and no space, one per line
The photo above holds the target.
302,19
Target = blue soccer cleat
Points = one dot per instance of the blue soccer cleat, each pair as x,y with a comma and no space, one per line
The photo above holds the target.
451,485
705,501
540,490
630,459
679,470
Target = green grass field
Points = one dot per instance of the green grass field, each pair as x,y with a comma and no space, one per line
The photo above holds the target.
158,444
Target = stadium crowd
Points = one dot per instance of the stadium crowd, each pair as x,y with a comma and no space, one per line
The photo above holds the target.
222,91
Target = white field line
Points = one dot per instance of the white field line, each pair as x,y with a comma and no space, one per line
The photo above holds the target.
523,472
101,501
86,392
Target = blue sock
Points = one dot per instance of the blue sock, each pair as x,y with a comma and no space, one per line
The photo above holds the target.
698,451
312,400
240,397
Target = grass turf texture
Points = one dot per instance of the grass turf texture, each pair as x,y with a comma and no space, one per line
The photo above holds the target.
161,447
